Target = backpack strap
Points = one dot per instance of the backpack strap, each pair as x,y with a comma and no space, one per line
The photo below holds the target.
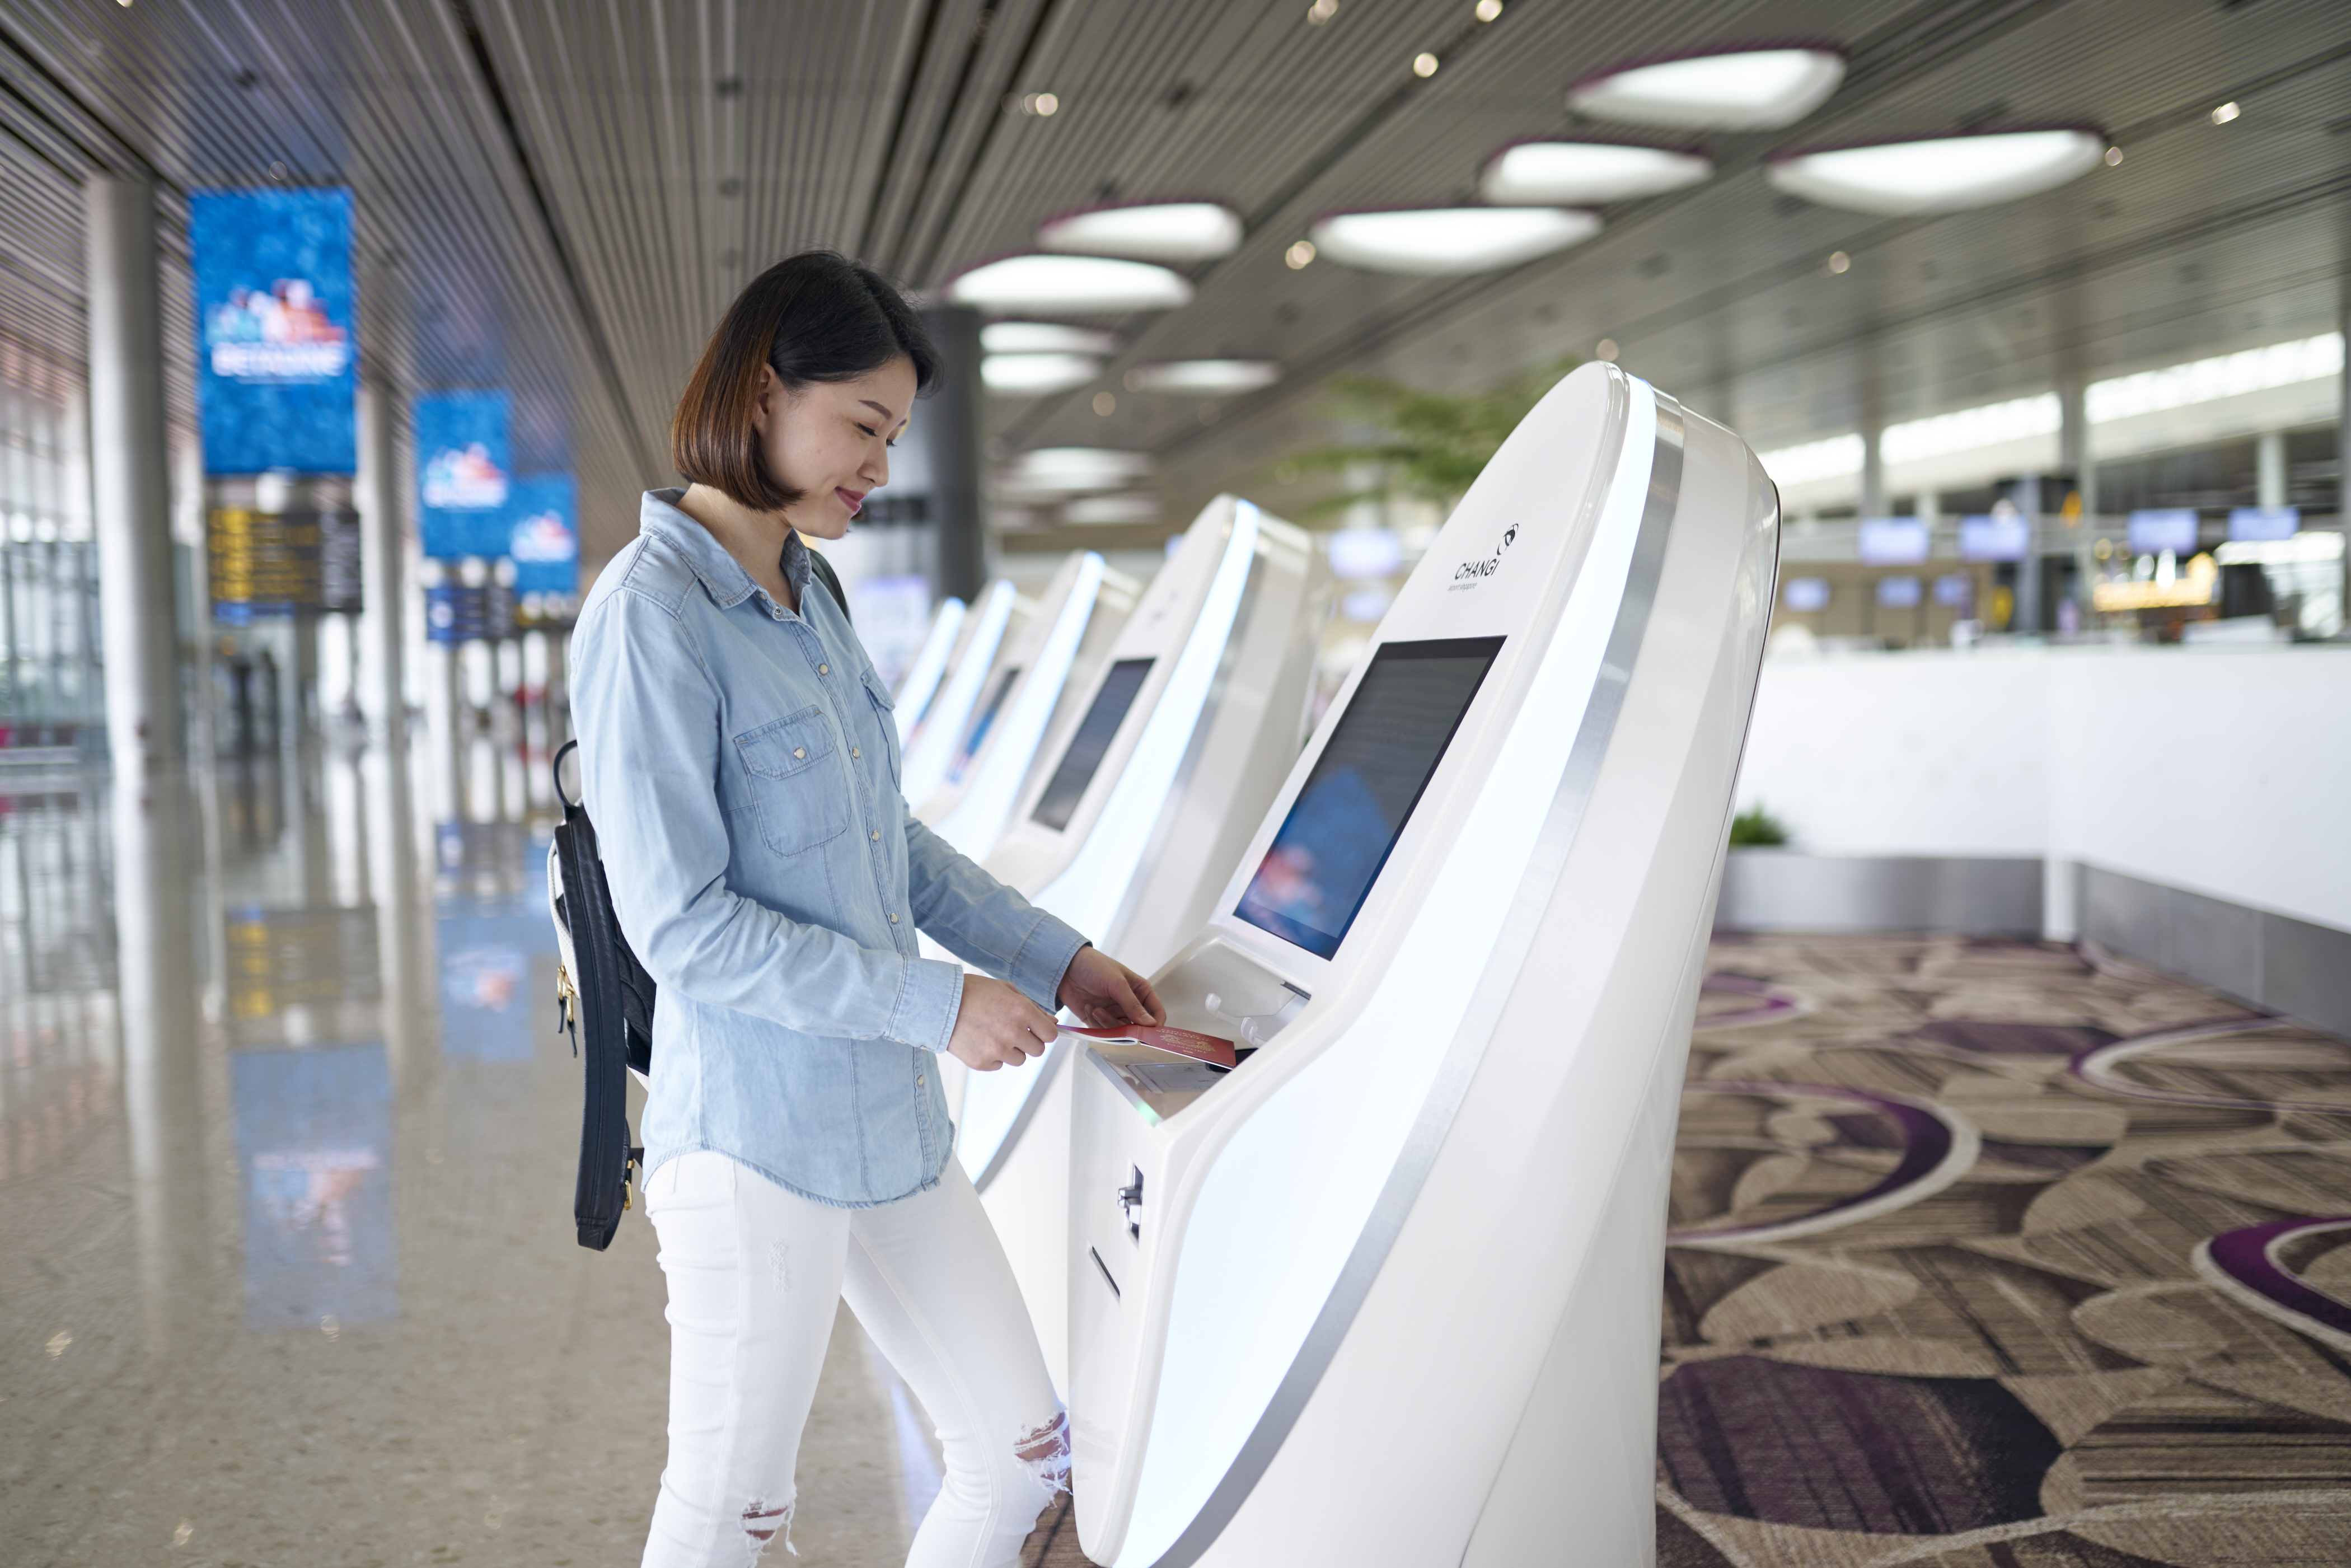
822,570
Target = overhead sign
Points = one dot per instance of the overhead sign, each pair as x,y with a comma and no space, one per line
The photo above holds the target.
278,366
544,539
278,564
464,471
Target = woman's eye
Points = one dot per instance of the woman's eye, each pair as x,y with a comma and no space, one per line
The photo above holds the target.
891,444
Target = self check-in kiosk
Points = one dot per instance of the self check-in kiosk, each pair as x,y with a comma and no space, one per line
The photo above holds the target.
914,692
1139,807
997,614
1061,646
1386,1293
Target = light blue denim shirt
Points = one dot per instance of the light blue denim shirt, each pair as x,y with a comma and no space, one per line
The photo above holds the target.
741,762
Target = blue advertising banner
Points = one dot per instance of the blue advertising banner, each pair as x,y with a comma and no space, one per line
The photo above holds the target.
278,364
464,468
545,538
314,1149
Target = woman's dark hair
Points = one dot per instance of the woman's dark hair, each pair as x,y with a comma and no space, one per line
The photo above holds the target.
814,317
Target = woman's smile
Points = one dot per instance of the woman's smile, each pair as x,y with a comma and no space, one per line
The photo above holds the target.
853,499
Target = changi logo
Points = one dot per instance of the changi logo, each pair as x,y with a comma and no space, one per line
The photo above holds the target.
1472,570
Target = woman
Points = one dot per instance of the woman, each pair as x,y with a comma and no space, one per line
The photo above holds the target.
741,762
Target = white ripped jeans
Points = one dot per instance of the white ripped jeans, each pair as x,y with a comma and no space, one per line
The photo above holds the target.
755,1273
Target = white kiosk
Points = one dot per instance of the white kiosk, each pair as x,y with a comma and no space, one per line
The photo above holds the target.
1131,824
1061,646
914,692
999,614
1387,1293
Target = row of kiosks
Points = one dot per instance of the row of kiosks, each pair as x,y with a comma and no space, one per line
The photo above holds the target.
1386,1291
941,639
998,613
1137,808
1035,678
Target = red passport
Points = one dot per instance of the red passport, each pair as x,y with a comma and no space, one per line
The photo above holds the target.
1175,1041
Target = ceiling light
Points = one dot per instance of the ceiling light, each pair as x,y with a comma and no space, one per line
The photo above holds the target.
1204,376
1424,65
1741,89
1321,12
1075,469
1451,239
1106,403
1299,254
1840,262
1157,231
1032,374
2225,113
1576,172
1943,174
1128,509
1080,284
1487,10
1044,338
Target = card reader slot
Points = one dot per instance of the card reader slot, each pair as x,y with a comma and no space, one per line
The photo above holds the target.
1105,1273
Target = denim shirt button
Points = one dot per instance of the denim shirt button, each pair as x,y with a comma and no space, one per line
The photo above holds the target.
853,752
919,1080
894,919
876,836
824,669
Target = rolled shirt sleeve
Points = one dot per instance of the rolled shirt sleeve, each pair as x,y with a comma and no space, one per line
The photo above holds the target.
985,923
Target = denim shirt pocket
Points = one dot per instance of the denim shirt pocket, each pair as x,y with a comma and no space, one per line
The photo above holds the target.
885,719
801,804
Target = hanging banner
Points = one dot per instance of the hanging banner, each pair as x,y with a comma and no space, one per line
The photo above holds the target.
464,473
545,546
278,362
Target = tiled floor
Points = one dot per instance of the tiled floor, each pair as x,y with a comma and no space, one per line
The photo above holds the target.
290,1281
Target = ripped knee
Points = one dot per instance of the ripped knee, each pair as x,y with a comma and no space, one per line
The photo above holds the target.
1046,1453
761,1523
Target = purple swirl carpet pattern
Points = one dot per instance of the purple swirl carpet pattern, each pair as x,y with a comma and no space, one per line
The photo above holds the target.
1986,1256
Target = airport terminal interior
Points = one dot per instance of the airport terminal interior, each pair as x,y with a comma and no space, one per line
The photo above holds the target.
1702,646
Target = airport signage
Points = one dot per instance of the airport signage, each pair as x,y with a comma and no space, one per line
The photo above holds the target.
544,544
2153,532
281,563
1892,541
1995,536
2264,525
464,469
277,350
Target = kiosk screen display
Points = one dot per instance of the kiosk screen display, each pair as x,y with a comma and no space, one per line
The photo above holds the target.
1068,785
1361,791
976,736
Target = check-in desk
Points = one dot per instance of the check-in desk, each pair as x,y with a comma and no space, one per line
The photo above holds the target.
1131,824
1386,1293
1037,673
998,614
914,692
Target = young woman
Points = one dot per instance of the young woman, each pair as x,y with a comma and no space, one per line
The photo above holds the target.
741,762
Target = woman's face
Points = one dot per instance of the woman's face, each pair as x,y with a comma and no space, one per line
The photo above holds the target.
831,441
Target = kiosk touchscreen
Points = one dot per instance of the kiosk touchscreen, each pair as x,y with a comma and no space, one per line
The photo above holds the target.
1386,1292
1135,814
1062,644
912,697
998,614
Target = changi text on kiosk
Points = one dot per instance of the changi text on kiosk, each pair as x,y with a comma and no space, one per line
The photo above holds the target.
925,760
912,697
1134,817
1386,1293
1062,644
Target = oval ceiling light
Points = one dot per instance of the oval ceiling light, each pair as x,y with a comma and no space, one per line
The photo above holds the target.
1732,89
1075,285
1944,174
1074,470
1031,375
1571,174
1131,507
1044,338
1204,376
1156,231
1436,240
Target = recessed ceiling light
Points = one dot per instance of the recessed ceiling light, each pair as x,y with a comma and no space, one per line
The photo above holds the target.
1156,231
1204,376
1943,174
1078,285
1075,469
1032,374
1738,89
1576,172
1127,508
1044,338
1451,239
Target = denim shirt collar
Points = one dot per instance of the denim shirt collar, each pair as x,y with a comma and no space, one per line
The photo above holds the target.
721,575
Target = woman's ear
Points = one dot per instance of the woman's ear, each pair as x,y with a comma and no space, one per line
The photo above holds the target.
765,401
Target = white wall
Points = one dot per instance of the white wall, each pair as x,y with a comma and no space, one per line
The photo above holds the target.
2223,770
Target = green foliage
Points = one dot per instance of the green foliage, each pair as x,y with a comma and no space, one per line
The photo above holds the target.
1756,828
1431,444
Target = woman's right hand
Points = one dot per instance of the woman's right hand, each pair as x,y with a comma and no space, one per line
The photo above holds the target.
995,1026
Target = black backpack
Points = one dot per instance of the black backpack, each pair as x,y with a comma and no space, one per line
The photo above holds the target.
605,999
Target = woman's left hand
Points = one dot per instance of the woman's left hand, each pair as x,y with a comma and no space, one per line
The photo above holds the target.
1105,993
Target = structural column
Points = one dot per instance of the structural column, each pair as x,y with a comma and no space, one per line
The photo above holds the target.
395,871
1872,469
130,481
950,425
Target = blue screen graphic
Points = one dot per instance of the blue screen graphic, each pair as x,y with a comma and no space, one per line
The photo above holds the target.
277,339
544,538
464,474
1353,807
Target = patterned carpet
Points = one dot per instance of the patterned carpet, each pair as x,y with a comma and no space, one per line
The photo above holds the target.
1991,1255
1988,1255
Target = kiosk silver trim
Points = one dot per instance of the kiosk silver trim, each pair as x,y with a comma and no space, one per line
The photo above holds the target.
1403,1186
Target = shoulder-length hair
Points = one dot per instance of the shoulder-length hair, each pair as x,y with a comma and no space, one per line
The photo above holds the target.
814,317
